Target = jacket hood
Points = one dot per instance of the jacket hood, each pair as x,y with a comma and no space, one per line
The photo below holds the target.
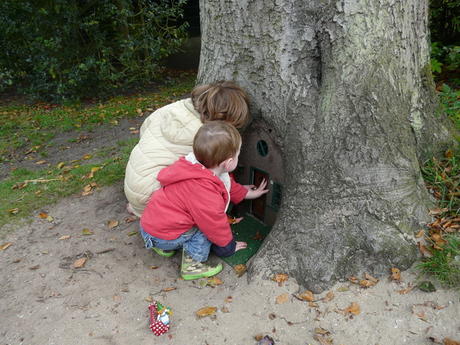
180,122
182,170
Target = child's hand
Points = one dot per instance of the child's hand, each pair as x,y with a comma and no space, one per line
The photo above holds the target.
249,186
254,193
240,245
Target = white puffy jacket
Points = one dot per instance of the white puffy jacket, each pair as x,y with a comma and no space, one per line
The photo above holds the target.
165,135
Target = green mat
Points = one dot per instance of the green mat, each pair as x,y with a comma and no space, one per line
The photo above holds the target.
252,231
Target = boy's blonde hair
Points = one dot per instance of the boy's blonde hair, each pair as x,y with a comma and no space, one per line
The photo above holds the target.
222,100
215,142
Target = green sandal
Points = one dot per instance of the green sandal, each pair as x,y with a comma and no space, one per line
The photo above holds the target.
191,269
165,253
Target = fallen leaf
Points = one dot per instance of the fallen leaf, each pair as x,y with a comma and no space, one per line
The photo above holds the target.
329,296
60,165
112,224
42,215
424,250
87,190
132,233
449,154
148,299
87,232
6,245
214,281
322,331
366,283
40,162
13,210
229,299
448,341
19,185
206,311
421,315
282,298
420,233
406,290
33,268
258,337
65,237
80,263
130,219
353,308
93,170
313,305
280,278
307,295
154,267
437,238
87,156
438,211
240,269
371,278
323,340
353,279
272,316
395,274
169,289
224,309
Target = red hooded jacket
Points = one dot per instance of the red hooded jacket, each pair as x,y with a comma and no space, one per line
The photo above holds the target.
190,195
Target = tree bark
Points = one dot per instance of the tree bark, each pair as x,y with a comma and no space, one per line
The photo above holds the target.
347,89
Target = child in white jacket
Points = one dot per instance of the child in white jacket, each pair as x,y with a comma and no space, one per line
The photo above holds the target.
168,133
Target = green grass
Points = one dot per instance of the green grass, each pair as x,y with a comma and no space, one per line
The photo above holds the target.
32,126
22,194
442,177
450,101
445,263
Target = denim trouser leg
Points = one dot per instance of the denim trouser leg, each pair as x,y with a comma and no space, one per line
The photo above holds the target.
193,241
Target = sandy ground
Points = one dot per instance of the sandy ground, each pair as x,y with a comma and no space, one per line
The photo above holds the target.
44,300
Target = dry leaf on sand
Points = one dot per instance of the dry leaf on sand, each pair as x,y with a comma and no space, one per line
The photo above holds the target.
307,295
282,298
80,263
112,224
206,311
240,269
5,245
395,274
353,308
280,278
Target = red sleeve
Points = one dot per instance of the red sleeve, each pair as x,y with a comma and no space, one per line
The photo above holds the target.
206,205
237,191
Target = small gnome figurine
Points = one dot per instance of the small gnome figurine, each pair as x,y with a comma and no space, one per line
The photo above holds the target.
163,314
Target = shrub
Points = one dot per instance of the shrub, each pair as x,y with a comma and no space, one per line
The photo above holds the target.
61,49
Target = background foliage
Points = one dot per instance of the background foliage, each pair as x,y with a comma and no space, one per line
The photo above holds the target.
68,49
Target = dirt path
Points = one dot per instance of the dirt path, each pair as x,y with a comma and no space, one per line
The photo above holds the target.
44,300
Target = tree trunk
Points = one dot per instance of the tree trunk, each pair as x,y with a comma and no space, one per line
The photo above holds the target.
346,87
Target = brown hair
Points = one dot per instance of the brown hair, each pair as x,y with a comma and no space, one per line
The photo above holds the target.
215,142
222,100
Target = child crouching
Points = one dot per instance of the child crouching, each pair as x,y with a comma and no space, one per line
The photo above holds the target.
188,211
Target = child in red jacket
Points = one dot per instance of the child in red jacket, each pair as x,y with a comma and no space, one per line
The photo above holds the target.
189,210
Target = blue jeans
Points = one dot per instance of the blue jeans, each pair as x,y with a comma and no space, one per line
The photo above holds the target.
193,241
